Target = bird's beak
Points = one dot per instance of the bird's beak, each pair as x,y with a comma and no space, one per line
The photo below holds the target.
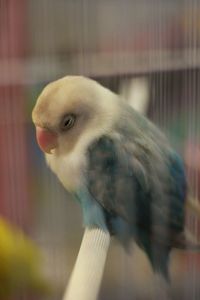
47,140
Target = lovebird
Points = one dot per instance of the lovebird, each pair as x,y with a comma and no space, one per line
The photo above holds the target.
20,264
116,163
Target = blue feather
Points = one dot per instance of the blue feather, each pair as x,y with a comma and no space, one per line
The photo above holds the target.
93,215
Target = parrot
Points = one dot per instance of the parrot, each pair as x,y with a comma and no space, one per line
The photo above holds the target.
20,268
116,164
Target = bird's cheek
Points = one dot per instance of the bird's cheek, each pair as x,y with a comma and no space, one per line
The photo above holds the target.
46,139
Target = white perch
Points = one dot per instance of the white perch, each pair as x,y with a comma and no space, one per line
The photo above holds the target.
87,275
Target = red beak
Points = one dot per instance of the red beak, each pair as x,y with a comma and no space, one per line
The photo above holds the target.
46,139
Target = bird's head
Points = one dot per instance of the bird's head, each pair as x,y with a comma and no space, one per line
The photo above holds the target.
72,108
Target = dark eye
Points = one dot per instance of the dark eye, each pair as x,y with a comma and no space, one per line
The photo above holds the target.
67,122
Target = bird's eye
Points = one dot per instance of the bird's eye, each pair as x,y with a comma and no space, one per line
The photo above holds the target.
67,122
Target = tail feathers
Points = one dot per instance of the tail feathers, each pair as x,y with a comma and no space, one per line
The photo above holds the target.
158,255
160,262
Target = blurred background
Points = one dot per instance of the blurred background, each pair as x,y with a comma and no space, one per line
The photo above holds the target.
148,51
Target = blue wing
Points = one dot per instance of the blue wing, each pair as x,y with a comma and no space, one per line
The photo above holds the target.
113,183
122,187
